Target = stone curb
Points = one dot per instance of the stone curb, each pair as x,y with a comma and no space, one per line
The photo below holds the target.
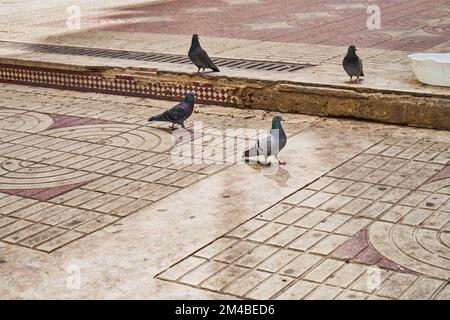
394,107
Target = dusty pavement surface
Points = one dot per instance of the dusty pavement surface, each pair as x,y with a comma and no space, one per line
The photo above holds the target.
95,203
404,25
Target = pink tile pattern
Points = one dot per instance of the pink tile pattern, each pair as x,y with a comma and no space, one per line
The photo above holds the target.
406,25
358,249
44,194
64,121
441,175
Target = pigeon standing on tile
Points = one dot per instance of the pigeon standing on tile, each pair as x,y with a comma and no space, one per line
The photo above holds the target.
178,113
199,57
353,64
270,145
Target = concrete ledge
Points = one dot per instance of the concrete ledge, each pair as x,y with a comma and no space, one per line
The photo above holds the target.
403,108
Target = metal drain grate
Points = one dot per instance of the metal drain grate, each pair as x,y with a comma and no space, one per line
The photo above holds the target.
142,56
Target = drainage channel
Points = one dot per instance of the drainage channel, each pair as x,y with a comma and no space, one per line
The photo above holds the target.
160,57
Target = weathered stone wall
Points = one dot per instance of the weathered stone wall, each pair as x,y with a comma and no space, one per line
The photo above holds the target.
431,111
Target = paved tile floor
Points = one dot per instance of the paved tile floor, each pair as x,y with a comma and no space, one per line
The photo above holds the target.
405,26
97,203
387,207
362,213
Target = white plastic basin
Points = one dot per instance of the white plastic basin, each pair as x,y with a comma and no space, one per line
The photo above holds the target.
432,68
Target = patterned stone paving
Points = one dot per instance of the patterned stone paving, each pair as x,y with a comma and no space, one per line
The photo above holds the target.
132,85
64,175
69,168
406,25
377,226
383,211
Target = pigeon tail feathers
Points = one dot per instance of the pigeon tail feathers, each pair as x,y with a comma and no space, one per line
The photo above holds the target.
159,117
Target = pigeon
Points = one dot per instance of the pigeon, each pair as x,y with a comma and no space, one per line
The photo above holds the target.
199,57
178,113
353,64
270,145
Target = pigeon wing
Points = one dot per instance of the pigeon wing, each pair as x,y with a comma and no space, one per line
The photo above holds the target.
176,114
205,59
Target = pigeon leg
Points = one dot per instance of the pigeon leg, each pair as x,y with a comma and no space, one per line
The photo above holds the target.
173,126
198,71
204,69
189,130
281,163
350,81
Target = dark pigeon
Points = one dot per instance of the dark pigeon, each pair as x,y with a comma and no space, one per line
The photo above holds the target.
199,57
178,113
353,64
270,145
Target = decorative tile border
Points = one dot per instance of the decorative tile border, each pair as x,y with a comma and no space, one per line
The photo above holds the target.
46,204
102,82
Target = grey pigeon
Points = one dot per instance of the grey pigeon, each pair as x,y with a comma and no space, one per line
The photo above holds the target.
178,113
199,57
270,145
353,64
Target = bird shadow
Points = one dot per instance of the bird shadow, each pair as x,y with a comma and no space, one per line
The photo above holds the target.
253,163
181,136
205,72
167,130
280,176
354,81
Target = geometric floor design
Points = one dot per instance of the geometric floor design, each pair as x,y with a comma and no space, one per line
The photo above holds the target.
63,177
67,171
382,215
375,227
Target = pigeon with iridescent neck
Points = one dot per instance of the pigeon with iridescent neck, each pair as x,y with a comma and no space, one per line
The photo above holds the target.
270,145
178,113
353,64
199,57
